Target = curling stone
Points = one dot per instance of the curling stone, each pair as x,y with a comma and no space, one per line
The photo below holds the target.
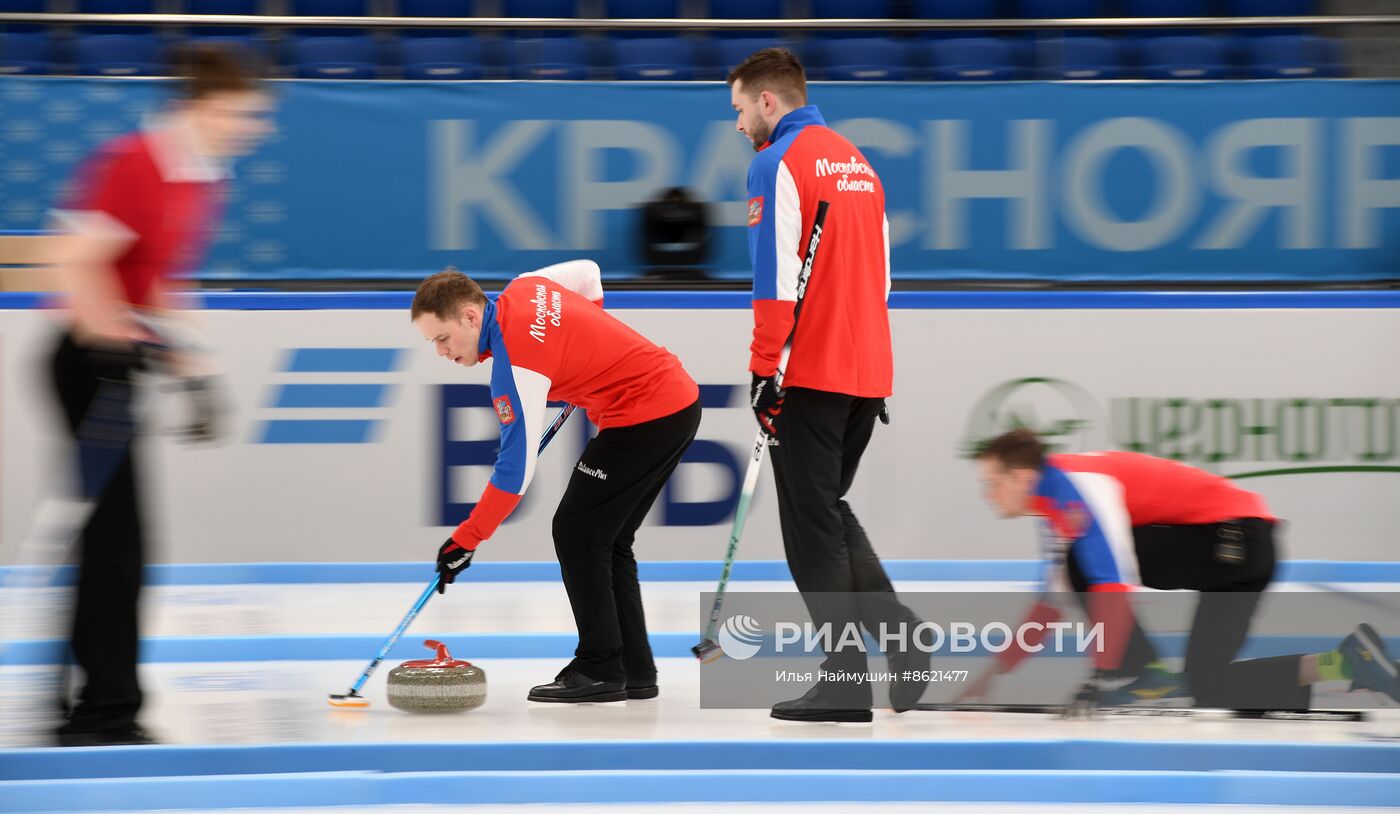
441,684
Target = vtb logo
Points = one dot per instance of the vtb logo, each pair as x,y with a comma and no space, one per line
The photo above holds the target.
457,453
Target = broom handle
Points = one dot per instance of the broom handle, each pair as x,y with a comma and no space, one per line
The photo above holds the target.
394,637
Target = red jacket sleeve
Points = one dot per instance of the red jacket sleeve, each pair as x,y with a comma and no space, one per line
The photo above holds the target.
1042,614
772,322
490,512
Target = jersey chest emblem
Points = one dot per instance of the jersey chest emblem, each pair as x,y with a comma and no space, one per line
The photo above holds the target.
755,210
504,411
1073,521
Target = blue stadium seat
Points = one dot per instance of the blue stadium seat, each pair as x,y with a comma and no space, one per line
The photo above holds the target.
746,10
540,8
1270,8
329,8
335,57
252,45
956,9
1167,8
25,53
865,59
1080,58
1059,9
116,7
218,7
549,58
23,7
731,51
453,57
849,9
1185,57
223,6
435,8
1293,56
641,9
654,59
119,55
1024,51
972,59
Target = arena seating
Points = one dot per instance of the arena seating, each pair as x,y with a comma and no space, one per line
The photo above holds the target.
852,55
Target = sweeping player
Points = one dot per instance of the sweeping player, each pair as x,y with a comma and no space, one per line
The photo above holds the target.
549,338
839,371
1119,519
145,205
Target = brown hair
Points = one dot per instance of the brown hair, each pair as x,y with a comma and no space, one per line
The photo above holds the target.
772,69
444,294
1018,449
207,69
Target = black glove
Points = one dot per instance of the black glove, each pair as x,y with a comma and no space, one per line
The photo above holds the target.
884,413
452,560
766,399
206,410
1085,703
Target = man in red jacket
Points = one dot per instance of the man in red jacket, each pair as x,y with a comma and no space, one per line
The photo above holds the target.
549,339
839,371
143,209
1117,520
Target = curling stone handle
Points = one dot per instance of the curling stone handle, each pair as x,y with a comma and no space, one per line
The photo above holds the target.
443,657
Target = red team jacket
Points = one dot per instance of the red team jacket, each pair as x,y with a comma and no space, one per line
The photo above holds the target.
550,340
1157,491
151,188
1091,502
843,339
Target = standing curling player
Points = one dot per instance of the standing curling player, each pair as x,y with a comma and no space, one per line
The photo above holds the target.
550,339
840,369
144,208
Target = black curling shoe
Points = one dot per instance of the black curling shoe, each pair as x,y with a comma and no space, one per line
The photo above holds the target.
642,687
821,704
134,736
573,687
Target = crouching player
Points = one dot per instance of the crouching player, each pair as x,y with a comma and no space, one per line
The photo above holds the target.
1119,519
550,339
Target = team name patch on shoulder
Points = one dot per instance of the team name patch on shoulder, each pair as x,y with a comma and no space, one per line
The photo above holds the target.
504,411
755,210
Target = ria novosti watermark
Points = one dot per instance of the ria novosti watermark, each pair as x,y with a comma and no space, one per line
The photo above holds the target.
776,645
742,637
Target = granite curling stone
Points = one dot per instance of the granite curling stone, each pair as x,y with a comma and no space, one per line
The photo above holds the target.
441,684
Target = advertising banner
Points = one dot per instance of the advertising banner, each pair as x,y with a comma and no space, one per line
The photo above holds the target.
1290,180
350,440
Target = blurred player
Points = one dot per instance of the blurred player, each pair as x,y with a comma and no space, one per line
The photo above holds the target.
144,207
1118,519
550,339
840,369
